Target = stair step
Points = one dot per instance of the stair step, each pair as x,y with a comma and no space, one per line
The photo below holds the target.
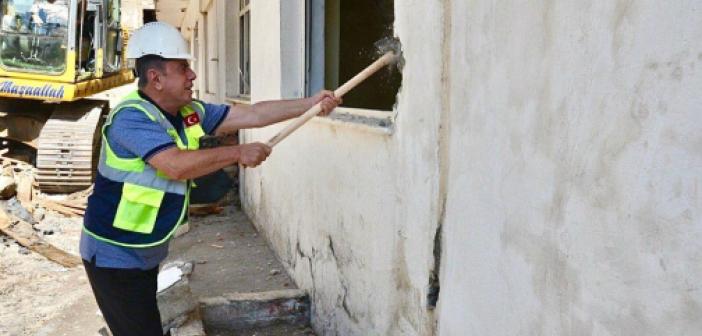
243,311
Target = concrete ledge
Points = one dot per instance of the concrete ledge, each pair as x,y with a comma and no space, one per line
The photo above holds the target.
193,326
373,125
239,311
176,302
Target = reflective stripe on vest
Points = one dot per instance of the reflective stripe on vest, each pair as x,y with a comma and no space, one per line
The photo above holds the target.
143,186
135,170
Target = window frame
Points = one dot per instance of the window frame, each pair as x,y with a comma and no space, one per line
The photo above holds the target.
244,48
238,77
113,57
211,61
315,76
195,63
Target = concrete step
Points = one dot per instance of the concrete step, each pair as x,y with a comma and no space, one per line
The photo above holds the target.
239,285
234,312
247,311
193,327
274,330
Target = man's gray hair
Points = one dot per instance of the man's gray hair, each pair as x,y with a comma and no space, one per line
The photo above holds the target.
144,64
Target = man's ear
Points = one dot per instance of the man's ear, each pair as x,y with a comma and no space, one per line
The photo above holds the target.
154,78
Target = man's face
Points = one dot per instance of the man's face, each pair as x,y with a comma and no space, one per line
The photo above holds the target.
177,82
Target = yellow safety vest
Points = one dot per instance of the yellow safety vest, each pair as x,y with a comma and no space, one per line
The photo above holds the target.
139,218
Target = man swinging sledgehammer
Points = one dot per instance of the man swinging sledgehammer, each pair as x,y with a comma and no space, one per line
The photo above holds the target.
150,153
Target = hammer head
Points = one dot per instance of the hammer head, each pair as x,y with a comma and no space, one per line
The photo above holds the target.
391,44
388,44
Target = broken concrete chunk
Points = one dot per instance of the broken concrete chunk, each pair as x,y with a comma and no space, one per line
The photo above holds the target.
168,278
185,266
38,214
182,229
193,327
175,299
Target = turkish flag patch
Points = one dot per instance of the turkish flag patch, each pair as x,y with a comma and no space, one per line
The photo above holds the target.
191,120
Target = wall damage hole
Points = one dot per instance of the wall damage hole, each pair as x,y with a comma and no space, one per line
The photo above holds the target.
434,284
342,37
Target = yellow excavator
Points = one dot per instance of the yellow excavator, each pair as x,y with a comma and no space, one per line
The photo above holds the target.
54,54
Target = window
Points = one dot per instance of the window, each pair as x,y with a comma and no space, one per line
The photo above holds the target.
239,52
98,27
194,64
211,58
244,48
114,39
341,37
149,15
33,36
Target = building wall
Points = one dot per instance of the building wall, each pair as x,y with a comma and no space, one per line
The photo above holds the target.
209,26
350,209
548,154
132,12
575,159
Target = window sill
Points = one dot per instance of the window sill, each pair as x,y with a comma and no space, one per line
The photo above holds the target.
375,121
238,100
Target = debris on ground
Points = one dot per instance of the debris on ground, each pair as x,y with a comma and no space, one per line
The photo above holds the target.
8,187
43,294
23,233
65,208
205,209
176,302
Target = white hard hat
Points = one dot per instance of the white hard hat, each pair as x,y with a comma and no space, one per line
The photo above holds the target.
158,38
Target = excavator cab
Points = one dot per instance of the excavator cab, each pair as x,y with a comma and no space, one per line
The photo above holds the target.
34,36
53,54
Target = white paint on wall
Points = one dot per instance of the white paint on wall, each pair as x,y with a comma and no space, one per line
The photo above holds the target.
575,162
266,72
350,211
564,139
292,49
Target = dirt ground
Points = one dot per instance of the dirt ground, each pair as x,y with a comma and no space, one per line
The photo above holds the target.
32,288
40,297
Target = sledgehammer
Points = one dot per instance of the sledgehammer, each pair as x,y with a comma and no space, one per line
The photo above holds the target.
391,56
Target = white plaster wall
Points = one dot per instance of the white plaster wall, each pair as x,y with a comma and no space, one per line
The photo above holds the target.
265,50
210,23
221,12
352,212
292,49
563,139
575,149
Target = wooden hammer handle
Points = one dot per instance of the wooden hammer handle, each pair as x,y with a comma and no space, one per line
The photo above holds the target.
382,62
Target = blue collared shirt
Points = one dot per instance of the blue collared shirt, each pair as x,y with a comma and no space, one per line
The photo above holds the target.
132,134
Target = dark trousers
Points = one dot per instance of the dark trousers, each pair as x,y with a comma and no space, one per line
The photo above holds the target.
127,299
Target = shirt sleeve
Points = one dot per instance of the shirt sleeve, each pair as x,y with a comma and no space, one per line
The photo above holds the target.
133,134
214,115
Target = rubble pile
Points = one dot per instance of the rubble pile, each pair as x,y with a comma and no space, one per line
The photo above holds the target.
23,210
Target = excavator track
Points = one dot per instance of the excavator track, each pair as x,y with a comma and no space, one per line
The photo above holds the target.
68,146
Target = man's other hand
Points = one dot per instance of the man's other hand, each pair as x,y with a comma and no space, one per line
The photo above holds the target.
328,100
252,154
